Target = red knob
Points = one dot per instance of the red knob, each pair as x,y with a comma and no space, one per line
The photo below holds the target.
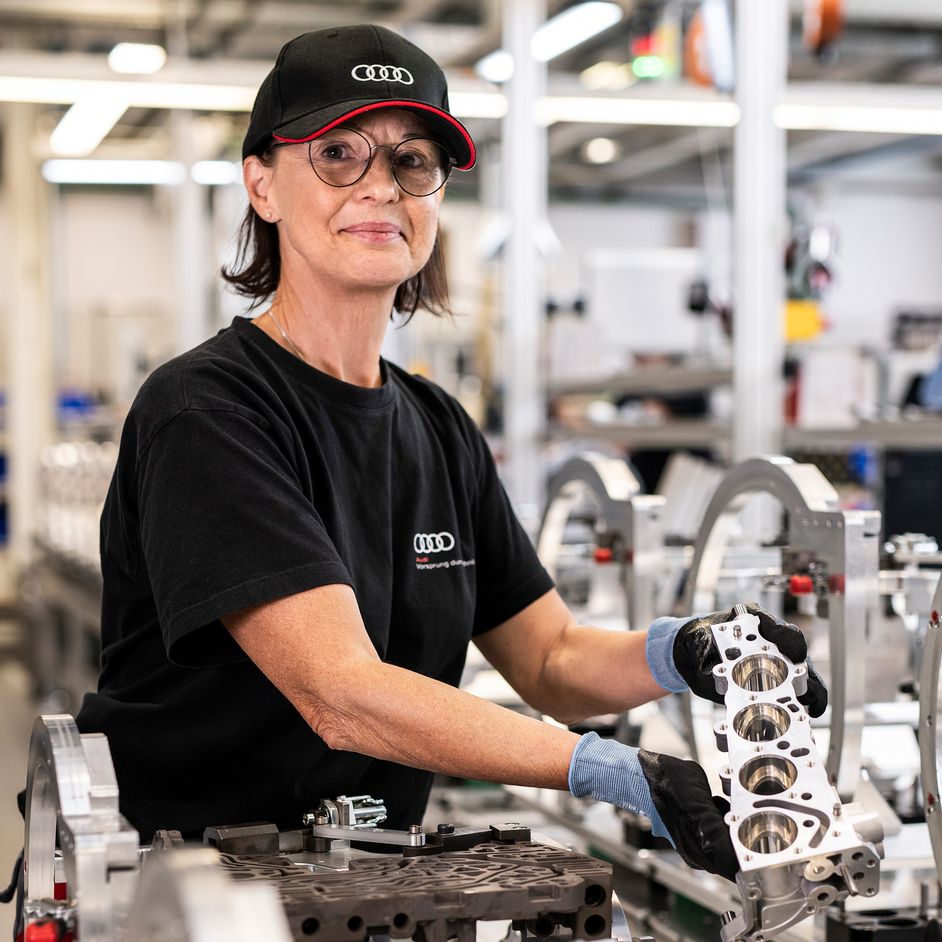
800,584
45,931
603,555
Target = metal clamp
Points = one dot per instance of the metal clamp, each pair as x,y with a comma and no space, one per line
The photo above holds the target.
799,848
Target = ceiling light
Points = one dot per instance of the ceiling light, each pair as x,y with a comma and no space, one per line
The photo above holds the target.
137,58
116,172
600,150
607,76
573,26
85,125
216,172
496,66
863,118
662,111
188,95
477,104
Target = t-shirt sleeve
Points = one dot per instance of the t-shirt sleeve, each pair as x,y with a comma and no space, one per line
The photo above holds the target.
224,524
509,573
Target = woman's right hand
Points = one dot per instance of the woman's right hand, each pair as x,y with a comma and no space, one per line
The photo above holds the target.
673,793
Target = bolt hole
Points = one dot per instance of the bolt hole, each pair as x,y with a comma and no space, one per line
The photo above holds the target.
808,823
595,925
400,920
750,637
806,796
310,926
595,895
857,855
354,923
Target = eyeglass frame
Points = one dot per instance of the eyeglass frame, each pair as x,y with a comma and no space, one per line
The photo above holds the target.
452,160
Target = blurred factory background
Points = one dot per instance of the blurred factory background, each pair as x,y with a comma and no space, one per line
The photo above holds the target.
698,231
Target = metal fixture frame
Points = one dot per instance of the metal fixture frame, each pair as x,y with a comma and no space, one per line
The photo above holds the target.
72,794
930,730
634,520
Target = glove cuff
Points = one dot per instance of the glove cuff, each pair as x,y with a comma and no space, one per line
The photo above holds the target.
609,771
660,653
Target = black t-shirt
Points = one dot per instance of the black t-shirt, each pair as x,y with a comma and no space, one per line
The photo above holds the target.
245,475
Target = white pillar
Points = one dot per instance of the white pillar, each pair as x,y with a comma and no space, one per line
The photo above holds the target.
191,239
759,227
523,160
31,394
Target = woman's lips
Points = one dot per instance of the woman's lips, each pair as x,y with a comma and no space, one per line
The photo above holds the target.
375,232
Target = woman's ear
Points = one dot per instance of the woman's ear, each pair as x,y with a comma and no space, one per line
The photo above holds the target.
257,178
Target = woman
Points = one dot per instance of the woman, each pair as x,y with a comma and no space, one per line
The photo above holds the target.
301,539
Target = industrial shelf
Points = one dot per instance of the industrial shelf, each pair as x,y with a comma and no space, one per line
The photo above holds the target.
671,379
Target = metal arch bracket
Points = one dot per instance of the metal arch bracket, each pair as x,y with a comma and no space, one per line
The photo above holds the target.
635,519
929,728
846,542
71,792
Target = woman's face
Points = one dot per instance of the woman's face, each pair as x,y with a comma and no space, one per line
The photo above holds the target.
370,234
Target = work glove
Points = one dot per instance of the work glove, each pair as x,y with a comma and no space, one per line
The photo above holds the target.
672,792
682,654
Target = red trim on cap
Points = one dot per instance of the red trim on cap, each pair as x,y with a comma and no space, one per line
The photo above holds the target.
388,104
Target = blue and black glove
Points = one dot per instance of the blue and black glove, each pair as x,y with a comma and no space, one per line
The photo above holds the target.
682,654
673,793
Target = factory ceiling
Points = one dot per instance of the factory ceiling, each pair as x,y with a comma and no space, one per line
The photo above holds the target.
897,44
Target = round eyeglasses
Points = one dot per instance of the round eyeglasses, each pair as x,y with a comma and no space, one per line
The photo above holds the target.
420,166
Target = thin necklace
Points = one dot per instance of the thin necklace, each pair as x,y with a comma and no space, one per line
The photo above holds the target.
294,347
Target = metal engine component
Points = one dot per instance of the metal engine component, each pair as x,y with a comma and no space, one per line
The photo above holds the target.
799,848
844,546
438,896
71,793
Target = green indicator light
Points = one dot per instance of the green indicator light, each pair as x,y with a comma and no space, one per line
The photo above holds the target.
645,67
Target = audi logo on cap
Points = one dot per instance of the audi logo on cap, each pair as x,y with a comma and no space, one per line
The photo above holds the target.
377,72
433,542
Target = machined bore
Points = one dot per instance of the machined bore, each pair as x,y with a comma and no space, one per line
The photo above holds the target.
759,672
768,775
767,832
761,722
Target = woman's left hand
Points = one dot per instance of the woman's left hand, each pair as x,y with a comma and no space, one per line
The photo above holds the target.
695,654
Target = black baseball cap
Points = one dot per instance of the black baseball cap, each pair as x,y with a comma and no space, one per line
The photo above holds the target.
328,76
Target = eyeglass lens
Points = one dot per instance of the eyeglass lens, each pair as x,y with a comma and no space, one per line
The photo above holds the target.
341,157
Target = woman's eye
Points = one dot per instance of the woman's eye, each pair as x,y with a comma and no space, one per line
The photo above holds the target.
335,150
410,160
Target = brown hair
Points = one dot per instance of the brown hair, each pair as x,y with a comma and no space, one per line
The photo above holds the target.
256,271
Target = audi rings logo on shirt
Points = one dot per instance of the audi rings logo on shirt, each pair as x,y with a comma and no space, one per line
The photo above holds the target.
433,542
377,72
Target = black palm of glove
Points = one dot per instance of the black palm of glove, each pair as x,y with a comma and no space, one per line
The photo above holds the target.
695,654
692,814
